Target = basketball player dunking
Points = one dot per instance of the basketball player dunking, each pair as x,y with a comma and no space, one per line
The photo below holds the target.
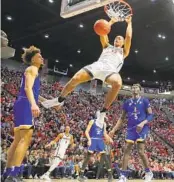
106,69
95,133
64,140
25,108
139,113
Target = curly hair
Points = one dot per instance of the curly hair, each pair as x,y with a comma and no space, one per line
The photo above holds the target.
29,53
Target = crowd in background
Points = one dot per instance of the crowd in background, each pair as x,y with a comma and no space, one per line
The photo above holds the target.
79,108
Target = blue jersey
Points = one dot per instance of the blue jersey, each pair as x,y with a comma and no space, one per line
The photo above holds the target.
136,110
96,131
22,108
96,134
36,88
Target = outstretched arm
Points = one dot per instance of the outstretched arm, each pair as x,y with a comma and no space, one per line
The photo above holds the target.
128,37
55,140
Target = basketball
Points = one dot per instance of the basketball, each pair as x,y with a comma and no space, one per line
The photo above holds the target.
102,27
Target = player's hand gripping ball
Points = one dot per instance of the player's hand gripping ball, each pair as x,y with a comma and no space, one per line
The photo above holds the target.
102,27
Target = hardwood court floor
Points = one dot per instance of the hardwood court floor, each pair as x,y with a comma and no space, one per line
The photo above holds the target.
72,180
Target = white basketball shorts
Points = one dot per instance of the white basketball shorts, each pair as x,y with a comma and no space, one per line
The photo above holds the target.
100,70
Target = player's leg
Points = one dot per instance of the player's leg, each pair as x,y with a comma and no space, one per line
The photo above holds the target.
108,165
100,165
23,131
91,150
82,178
116,82
141,151
128,148
102,149
54,164
20,152
126,155
58,157
23,145
10,154
80,77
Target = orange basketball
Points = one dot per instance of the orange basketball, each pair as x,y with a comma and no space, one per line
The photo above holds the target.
102,27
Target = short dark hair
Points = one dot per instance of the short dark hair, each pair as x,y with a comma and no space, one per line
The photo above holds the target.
137,85
29,53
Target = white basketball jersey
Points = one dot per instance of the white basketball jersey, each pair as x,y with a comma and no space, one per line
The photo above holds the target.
64,141
63,145
112,57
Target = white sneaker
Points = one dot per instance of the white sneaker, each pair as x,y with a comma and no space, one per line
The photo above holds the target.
36,177
122,179
51,103
45,177
148,177
82,178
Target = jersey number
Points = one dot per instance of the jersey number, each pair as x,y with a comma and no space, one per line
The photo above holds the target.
135,116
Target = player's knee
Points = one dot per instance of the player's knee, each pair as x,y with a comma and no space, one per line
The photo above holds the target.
116,84
127,150
140,152
25,141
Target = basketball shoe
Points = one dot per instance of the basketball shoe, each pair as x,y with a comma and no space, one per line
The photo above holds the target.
122,179
52,103
45,177
148,176
13,179
82,178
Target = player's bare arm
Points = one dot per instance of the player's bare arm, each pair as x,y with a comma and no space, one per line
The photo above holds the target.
105,39
106,136
30,76
119,123
55,140
72,142
87,132
128,37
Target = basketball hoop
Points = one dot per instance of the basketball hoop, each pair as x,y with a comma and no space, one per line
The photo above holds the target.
118,9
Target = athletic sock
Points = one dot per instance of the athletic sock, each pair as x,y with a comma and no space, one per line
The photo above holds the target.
82,173
15,172
124,173
110,173
103,110
61,99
